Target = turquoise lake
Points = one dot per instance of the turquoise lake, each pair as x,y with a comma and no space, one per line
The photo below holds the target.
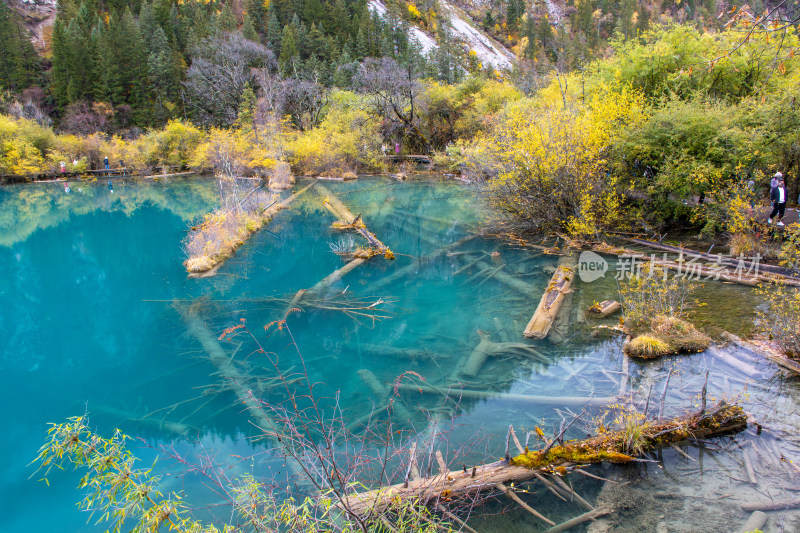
98,316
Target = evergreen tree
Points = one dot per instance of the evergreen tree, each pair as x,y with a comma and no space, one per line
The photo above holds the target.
148,23
79,55
288,47
226,22
313,11
245,118
59,72
343,71
163,76
249,30
132,88
19,65
274,33
317,44
362,47
106,73
258,18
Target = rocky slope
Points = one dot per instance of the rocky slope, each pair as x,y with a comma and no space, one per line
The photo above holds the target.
38,16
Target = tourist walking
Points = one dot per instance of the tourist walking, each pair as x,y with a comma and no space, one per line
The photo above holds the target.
778,197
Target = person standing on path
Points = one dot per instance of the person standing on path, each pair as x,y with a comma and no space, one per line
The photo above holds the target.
778,197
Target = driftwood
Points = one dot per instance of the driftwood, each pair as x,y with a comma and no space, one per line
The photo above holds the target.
542,320
487,348
721,419
603,309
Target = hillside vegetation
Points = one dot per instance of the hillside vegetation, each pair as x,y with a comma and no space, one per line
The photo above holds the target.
669,128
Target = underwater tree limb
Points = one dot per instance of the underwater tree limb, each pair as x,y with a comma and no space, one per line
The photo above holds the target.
578,520
522,398
721,419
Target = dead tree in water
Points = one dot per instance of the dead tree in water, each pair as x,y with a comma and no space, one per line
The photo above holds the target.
612,447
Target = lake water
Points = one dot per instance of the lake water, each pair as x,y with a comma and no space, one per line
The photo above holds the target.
97,315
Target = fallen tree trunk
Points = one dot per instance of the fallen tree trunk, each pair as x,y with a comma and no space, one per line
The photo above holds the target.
409,269
542,320
765,348
604,308
578,520
727,261
487,348
755,522
242,384
383,394
721,419
202,269
578,401
348,220
699,271
507,279
478,356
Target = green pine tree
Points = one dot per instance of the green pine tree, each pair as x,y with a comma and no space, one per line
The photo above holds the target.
249,29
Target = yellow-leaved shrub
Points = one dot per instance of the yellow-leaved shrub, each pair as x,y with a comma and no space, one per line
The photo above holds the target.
548,154
345,141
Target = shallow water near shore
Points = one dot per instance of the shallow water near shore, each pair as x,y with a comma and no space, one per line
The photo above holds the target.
98,316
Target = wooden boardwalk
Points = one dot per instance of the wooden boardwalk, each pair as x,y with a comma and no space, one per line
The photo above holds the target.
418,159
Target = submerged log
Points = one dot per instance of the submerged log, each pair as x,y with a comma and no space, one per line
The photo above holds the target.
403,353
755,522
415,265
578,520
243,384
721,419
382,393
334,276
562,325
771,505
506,279
487,348
766,349
577,401
542,320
